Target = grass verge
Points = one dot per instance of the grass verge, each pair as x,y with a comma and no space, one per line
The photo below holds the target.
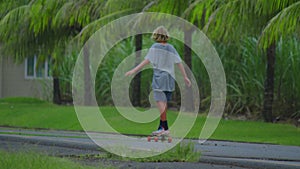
32,113
183,152
24,160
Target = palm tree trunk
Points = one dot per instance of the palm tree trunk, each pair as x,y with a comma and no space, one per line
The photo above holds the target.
56,85
136,95
189,103
269,84
56,91
87,78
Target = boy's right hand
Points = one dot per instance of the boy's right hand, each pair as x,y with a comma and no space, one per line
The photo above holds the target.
129,73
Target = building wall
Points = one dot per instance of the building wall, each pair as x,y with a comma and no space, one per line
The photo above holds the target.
14,83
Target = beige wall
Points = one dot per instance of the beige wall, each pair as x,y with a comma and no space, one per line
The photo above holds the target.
14,83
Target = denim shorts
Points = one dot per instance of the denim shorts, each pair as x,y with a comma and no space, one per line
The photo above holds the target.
164,96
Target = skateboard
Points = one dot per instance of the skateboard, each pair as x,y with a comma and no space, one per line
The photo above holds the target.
162,137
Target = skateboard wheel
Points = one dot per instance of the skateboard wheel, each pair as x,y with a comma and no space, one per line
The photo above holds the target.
169,139
149,138
155,139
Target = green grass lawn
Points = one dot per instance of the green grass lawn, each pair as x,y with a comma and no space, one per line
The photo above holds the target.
32,113
25,160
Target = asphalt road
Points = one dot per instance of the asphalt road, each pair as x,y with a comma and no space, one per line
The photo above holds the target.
215,154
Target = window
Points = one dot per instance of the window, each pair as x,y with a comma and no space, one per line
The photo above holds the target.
30,67
40,70
33,69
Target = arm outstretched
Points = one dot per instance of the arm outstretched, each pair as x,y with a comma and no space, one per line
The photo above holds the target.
138,67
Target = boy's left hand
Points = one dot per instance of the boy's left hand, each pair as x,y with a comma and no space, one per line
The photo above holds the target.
187,82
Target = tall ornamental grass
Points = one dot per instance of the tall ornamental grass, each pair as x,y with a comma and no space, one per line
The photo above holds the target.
245,68
244,65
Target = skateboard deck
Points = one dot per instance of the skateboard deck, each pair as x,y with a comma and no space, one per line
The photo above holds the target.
162,137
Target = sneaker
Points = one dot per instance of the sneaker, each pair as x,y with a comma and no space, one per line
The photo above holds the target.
158,132
166,132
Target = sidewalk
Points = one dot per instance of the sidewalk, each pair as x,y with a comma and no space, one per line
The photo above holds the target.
244,155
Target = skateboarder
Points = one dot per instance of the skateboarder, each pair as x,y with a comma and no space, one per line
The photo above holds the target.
163,56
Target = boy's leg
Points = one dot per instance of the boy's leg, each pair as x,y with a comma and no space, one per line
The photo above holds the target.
161,102
162,106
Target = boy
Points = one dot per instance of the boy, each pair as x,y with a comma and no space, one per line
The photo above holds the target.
163,57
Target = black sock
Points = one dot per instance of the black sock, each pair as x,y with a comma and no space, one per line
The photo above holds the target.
160,125
165,125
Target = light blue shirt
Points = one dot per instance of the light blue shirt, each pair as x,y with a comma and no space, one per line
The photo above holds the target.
163,57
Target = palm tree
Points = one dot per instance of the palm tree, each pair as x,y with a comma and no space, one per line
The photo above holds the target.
232,20
113,9
26,31
283,24
48,26
33,31
74,16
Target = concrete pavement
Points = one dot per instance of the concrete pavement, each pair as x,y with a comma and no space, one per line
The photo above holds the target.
220,154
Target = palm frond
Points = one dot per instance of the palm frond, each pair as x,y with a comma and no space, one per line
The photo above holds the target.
148,6
77,14
226,21
20,40
200,11
283,24
8,5
61,19
112,6
17,16
91,28
234,18
41,14
269,7
171,7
